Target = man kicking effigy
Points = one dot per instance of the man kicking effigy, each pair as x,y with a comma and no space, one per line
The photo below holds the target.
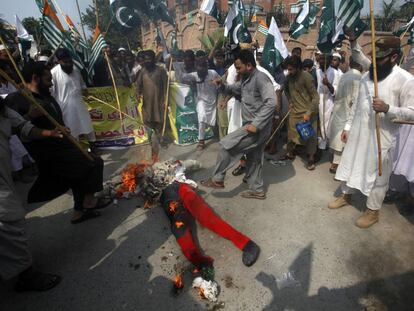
258,100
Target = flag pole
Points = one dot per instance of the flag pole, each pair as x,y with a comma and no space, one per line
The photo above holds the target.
109,105
80,17
278,128
29,97
96,12
374,67
167,94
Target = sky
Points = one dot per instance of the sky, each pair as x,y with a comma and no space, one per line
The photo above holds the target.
26,8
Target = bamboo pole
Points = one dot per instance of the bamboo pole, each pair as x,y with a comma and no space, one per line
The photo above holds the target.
374,65
278,128
403,122
109,24
38,106
96,12
167,94
109,105
115,87
80,17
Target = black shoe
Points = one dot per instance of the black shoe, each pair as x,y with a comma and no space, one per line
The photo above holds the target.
250,253
239,170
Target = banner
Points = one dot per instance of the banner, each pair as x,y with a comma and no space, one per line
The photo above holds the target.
110,129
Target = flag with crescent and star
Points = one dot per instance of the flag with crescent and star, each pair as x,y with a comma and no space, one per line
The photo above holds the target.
328,28
234,26
304,19
126,14
275,50
210,7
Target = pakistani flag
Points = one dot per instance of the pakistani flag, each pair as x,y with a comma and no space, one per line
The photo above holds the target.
125,13
305,18
274,51
406,29
210,7
234,26
158,10
349,17
328,28
25,40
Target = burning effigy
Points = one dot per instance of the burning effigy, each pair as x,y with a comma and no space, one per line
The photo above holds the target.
166,183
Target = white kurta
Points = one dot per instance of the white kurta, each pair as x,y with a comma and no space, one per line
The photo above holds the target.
206,96
67,90
326,102
346,96
359,163
404,153
233,105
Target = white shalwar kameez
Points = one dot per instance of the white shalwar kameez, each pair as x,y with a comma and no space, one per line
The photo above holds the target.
326,102
206,99
234,105
359,164
67,90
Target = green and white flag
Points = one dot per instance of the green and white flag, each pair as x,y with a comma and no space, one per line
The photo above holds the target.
275,50
406,29
25,40
349,17
210,7
234,26
305,18
328,28
97,46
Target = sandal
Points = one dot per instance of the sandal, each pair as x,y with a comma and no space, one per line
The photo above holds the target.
37,281
333,168
287,157
86,215
210,183
201,146
311,165
239,170
102,203
250,194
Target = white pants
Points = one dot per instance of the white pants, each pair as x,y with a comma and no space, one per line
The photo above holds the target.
380,188
336,157
202,130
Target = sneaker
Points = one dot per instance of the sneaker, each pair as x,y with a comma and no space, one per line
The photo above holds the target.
341,201
367,219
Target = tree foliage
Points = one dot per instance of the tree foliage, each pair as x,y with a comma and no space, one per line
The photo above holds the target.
117,35
6,32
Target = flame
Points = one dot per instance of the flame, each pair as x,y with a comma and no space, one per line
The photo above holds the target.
178,281
148,204
173,206
129,177
179,224
196,270
201,293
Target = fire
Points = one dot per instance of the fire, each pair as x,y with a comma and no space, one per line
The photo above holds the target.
196,270
173,206
178,281
129,177
201,293
148,204
179,224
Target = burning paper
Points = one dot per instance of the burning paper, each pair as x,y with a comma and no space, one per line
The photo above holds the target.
206,289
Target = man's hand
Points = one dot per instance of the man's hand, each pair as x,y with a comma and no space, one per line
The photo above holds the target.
222,104
56,133
380,106
251,129
344,136
325,81
350,34
217,82
306,117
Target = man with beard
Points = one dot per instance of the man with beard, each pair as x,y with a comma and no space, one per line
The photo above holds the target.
303,100
68,89
151,87
258,102
15,256
206,98
61,165
359,164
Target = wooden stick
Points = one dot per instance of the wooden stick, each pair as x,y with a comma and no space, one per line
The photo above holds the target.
278,127
115,86
96,12
109,24
324,104
80,17
109,105
38,106
403,122
166,98
54,52
374,67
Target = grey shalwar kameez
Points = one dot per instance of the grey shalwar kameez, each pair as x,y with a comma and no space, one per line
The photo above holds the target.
15,256
258,100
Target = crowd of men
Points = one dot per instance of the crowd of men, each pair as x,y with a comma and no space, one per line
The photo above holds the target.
331,96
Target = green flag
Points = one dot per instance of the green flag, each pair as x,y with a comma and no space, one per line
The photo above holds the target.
234,26
210,7
349,16
407,28
274,51
327,30
305,18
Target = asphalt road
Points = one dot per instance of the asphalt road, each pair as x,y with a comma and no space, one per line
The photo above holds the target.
312,258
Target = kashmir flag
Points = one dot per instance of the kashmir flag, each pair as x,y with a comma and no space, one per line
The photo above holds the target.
406,29
234,26
304,19
275,50
349,17
210,7
97,46
262,28
79,43
328,28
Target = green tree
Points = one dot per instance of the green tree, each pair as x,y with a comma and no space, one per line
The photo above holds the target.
116,35
6,32
387,19
33,27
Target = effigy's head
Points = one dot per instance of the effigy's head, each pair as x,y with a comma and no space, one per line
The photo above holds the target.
156,178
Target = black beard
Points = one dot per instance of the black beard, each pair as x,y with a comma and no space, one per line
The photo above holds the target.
382,71
44,90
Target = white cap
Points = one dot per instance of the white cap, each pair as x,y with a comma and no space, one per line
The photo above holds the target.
337,55
2,47
260,50
121,49
43,58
